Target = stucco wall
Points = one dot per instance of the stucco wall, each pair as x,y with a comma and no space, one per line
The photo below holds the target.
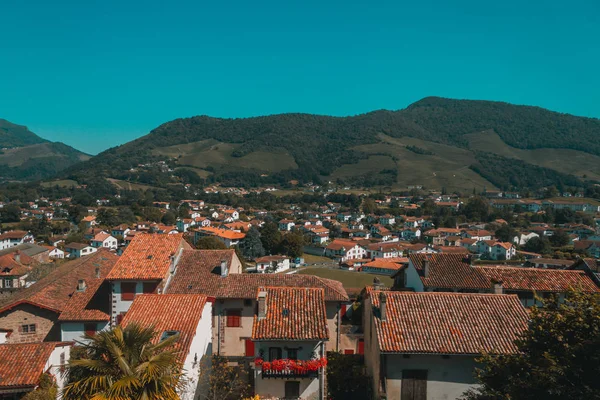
73,331
230,341
54,364
447,379
199,347
413,280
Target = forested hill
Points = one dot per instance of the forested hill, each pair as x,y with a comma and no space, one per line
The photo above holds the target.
371,149
26,156
13,135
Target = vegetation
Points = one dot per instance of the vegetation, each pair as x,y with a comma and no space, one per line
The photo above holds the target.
226,382
13,135
419,150
346,377
557,359
124,363
47,389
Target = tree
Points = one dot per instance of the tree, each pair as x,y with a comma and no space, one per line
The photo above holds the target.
477,209
251,247
558,355
210,243
292,244
538,245
225,381
270,237
346,378
505,233
369,206
169,218
124,363
560,238
10,213
47,389
107,217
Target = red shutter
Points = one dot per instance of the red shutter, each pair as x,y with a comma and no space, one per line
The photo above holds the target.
343,310
128,290
348,351
120,318
90,329
234,318
361,346
249,348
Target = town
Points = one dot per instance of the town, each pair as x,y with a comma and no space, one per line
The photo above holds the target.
399,293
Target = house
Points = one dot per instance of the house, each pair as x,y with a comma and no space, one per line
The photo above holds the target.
14,238
14,268
423,346
120,230
286,225
590,266
23,364
479,234
146,266
272,264
230,238
522,238
502,251
233,214
186,315
550,263
32,314
104,240
218,274
343,250
456,273
384,266
381,232
387,220
384,250
77,250
36,253
89,221
289,332
590,247
410,233
318,235
55,253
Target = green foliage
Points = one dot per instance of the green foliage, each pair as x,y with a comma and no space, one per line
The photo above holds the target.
419,150
13,135
346,377
210,243
477,208
251,247
169,218
10,213
47,389
560,238
123,363
270,237
558,357
226,382
108,217
505,233
369,206
539,245
292,244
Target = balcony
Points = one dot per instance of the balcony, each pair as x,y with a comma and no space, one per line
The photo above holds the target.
286,368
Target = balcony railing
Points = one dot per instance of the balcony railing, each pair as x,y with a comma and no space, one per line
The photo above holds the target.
286,368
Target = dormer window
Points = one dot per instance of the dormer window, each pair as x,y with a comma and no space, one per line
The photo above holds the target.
167,334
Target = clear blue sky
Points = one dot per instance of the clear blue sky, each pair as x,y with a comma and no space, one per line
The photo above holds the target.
95,74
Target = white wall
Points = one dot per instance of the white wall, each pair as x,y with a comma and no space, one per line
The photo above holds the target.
413,279
446,378
199,348
53,364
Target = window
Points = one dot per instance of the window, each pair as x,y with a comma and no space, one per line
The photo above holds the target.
128,291
234,318
292,354
167,334
150,287
292,389
89,329
8,282
274,353
247,302
28,328
119,318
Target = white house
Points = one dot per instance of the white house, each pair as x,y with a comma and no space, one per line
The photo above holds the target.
523,238
272,264
286,225
14,238
502,251
77,250
104,240
344,250
55,253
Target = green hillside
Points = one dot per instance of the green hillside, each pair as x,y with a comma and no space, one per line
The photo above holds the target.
434,142
26,156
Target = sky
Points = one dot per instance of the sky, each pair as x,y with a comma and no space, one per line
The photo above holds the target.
96,74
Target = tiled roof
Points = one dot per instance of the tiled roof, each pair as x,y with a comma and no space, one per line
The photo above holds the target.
169,312
448,270
387,263
292,314
90,304
338,244
193,275
147,257
452,249
76,246
13,235
449,323
54,290
539,279
101,237
222,233
271,258
386,247
22,364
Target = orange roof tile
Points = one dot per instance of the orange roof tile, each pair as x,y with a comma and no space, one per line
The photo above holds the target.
449,323
292,314
222,233
22,364
169,312
147,257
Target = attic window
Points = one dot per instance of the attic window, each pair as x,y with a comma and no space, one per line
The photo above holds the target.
285,312
167,334
149,257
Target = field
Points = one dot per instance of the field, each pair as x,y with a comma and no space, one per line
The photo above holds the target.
311,259
216,154
62,183
350,279
18,156
129,186
566,161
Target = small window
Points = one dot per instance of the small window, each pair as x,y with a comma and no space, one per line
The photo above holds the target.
28,328
247,302
234,318
274,353
8,283
90,329
128,291
167,334
292,354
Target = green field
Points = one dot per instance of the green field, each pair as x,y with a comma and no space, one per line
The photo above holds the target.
213,153
311,259
124,185
350,279
62,183
566,161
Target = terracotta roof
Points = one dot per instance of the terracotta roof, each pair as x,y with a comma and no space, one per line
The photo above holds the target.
22,364
13,235
452,249
147,257
76,246
292,314
89,218
447,270
101,237
386,247
539,279
222,233
449,323
194,275
387,263
54,290
169,312
338,244
90,304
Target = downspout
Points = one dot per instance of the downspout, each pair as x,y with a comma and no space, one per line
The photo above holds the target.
339,325
219,332
322,374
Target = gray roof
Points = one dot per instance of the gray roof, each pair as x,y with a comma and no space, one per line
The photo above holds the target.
28,249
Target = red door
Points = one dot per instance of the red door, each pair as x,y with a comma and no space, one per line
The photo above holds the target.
249,348
361,346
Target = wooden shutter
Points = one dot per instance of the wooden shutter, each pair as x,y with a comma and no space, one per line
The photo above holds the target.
234,318
361,346
348,351
90,329
128,290
414,385
249,348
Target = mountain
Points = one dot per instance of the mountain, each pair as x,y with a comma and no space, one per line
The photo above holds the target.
26,156
435,142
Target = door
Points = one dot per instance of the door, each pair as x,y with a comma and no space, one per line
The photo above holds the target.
414,384
249,348
292,390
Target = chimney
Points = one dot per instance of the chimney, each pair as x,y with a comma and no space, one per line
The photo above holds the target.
18,256
497,287
97,273
224,269
382,306
81,285
377,285
426,267
262,304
